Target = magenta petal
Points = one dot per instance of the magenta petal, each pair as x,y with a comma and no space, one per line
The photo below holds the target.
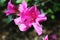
46,37
22,27
38,28
17,20
34,10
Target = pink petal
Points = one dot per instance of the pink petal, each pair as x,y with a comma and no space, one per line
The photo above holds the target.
10,5
17,20
8,12
24,3
46,37
22,6
22,27
41,18
41,15
38,28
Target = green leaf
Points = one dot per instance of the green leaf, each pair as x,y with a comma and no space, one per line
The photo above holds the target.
43,3
27,0
2,2
52,17
49,11
18,1
8,20
36,2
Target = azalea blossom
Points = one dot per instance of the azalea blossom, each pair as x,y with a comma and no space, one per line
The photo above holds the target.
46,37
11,9
28,17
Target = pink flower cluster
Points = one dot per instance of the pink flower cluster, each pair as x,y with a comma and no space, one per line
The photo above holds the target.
27,16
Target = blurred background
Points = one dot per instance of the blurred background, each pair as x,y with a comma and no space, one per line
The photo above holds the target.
9,31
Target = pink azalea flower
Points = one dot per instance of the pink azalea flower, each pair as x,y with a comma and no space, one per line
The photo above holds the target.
28,17
46,37
11,9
